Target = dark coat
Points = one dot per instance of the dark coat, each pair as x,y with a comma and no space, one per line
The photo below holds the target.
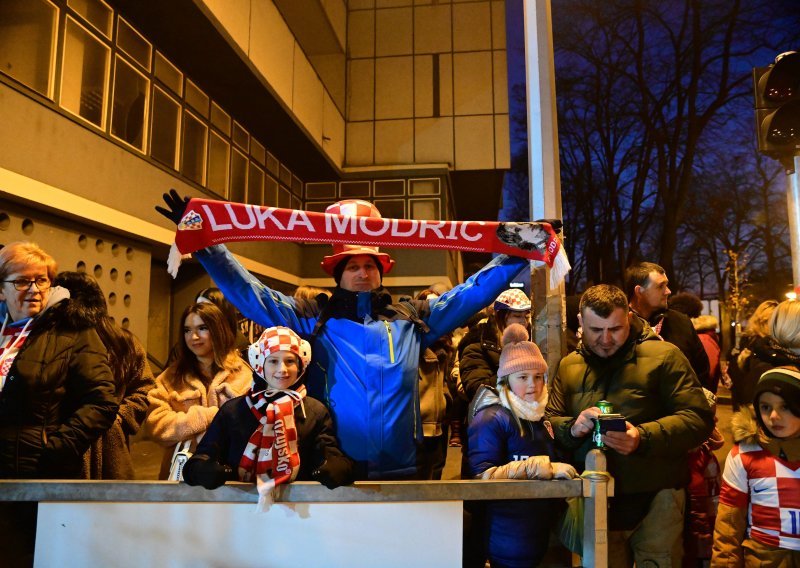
650,383
678,330
109,456
58,398
230,430
516,533
479,358
756,356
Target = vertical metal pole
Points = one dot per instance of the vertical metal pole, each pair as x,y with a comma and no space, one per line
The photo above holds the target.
549,319
793,198
595,512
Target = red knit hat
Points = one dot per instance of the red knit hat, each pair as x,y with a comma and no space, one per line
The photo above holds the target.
355,208
519,354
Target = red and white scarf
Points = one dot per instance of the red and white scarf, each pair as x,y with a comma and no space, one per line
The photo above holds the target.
272,456
208,222
11,339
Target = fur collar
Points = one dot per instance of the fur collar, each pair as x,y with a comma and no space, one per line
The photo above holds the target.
746,431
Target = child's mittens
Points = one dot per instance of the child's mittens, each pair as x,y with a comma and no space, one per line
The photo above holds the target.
205,472
334,472
563,471
538,467
534,467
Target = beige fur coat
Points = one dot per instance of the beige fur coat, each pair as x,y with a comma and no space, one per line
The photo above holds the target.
179,415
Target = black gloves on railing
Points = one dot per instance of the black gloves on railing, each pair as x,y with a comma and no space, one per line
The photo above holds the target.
334,471
206,472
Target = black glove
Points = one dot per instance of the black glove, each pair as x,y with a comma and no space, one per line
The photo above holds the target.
206,472
555,223
334,471
177,206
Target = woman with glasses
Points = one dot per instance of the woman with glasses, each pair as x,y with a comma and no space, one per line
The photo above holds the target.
207,371
56,388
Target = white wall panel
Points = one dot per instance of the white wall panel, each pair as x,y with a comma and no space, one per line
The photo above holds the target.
234,15
272,48
474,142
333,133
307,95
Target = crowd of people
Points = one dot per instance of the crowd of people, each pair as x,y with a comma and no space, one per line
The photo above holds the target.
352,384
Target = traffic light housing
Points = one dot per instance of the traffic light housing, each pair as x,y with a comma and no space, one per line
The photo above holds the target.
777,101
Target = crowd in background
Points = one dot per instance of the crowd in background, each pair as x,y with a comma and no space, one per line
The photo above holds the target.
75,388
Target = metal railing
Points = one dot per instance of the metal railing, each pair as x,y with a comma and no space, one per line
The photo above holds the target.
595,487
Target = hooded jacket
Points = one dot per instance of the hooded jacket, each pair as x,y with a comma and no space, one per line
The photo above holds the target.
649,382
751,530
517,532
366,353
58,397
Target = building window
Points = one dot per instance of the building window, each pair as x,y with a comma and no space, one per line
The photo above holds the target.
270,191
129,106
219,152
169,75
133,44
84,74
193,162
239,164
196,98
255,185
164,128
27,43
96,12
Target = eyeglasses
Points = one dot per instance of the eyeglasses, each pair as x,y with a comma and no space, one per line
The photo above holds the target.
21,284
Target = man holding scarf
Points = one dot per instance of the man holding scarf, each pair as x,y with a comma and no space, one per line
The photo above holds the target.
366,347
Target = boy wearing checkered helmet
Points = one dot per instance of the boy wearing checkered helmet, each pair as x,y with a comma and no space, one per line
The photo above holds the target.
758,520
274,433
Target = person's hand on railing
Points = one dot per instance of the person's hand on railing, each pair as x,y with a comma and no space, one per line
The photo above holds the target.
563,471
176,204
334,472
205,472
534,467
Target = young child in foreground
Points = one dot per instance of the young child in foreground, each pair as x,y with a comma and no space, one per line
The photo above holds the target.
758,521
509,439
274,433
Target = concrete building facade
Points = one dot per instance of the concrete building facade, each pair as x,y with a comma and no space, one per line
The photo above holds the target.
107,104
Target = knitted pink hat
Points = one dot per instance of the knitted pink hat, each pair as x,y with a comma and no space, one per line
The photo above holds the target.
519,354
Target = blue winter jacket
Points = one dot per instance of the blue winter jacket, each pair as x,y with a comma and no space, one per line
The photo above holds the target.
515,533
365,365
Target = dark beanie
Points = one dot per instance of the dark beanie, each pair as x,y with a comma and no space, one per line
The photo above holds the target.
338,270
784,382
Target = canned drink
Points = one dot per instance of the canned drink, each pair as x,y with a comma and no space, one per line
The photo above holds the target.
605,408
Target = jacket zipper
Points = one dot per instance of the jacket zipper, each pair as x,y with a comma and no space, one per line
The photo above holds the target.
391,341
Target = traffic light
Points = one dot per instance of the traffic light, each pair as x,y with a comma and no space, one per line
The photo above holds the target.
777,94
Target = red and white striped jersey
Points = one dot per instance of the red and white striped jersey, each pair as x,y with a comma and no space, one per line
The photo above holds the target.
770,488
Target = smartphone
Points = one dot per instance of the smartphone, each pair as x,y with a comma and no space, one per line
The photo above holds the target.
611,423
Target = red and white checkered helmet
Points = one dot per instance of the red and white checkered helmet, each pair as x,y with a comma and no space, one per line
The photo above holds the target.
354,208
513,299
276,339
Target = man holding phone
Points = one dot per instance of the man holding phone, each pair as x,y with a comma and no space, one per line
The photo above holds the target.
651,384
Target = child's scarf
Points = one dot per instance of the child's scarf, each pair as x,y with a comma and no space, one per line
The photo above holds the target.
209,222
271,455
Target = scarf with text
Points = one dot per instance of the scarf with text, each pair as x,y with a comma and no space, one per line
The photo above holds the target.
208,222
271,455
